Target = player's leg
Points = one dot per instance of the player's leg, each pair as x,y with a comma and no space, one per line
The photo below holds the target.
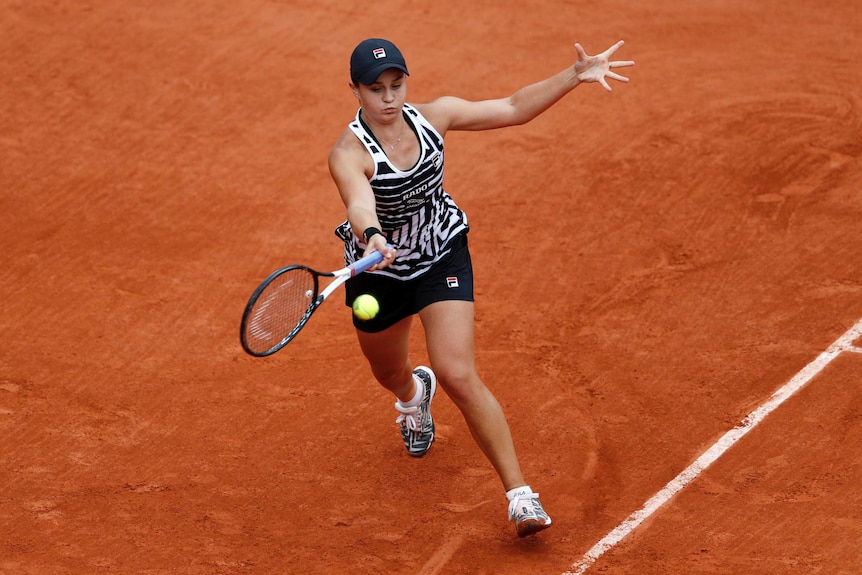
449,337
387,353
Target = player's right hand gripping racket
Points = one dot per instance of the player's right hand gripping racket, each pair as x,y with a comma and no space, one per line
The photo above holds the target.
284,302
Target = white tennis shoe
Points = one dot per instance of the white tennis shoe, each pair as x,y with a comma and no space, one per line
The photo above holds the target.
417,426
528,513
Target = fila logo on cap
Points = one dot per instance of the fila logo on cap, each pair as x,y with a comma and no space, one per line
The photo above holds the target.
379,53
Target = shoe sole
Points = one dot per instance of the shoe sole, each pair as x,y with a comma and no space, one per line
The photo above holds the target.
430,399
433,381
531,527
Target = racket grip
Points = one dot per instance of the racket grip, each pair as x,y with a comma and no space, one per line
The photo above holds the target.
363,264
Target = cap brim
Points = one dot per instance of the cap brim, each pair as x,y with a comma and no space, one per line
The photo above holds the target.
371,75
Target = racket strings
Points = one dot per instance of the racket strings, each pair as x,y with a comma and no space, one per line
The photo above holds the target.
281,308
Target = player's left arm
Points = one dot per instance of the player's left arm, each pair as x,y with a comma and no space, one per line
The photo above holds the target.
451,113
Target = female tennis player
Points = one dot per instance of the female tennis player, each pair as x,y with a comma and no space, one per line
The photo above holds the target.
388,167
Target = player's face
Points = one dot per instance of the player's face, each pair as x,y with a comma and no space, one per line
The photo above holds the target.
384,98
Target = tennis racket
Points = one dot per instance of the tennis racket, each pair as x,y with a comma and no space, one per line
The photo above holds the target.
281,306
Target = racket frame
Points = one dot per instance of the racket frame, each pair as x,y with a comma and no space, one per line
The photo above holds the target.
317,297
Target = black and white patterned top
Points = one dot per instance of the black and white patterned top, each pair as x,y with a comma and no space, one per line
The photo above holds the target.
417,216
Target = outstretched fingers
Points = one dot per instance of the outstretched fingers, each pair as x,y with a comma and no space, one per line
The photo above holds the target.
599,68
609,52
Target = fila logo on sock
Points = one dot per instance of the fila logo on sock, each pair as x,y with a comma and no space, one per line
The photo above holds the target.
452,282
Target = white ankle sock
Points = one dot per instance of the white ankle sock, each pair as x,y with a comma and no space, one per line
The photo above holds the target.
518,491
417,399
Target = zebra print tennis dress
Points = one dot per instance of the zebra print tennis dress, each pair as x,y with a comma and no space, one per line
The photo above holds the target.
417,216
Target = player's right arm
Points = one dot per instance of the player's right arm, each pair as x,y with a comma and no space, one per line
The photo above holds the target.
351,167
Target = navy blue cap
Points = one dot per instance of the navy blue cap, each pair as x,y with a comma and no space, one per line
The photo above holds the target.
372,57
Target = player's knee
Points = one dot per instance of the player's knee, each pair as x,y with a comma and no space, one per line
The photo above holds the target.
462,386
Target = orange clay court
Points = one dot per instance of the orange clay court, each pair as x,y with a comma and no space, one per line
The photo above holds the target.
652,265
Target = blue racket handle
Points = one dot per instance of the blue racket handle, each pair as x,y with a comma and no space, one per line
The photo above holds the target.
363,264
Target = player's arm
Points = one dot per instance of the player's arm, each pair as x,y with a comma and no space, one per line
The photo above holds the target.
350,166
449,113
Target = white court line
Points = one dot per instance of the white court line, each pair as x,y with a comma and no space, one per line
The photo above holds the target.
842,344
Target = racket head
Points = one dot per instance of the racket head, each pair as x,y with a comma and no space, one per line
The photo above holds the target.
278,309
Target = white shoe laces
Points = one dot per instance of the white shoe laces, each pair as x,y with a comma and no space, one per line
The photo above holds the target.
408,416
518,500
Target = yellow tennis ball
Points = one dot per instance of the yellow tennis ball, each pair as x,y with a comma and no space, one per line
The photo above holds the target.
365,307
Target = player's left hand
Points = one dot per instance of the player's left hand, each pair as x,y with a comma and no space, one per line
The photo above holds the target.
598,68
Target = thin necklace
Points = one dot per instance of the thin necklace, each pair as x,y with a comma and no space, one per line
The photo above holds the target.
398,141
